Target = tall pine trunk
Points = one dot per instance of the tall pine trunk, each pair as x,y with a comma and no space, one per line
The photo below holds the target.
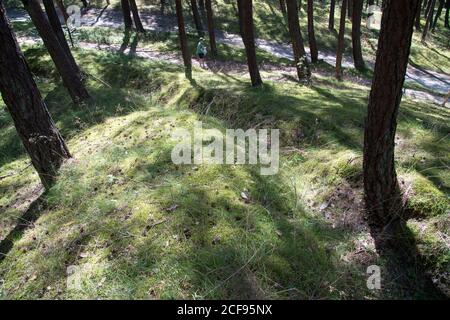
356,35
382,192
211,27
331,17
298,47
33,123
197,19
438,14
136,17
311,34
429,20
340,45
418,16
447,14
57,29
71,77
245,8
126,14
183,40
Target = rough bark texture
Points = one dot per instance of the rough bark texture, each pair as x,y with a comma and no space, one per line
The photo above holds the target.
197,19
23,100
356,35
126,14
382,193
136,17
183,40
331,17
429,20
71,78
245,8
340,45
211,31
311,34
298,47
57,29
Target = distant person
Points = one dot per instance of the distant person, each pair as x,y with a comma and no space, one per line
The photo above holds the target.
201,52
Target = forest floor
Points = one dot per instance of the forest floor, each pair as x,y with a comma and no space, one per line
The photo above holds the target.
123,221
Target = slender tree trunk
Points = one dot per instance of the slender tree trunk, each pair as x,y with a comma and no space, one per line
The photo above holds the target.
340,45
418,16
197,19
211,27
126,14
136,17
331,18
350,9
428,8
61,7
57,29
447,14
183,40
301,62
311,35
245,8
33,123
71,77
382,192
356,35
283,6
429,20
438,14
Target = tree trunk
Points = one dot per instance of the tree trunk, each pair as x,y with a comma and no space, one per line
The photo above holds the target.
429,20
197,20
283,6
438,14
301,62
382,192
447,14
356,35
311,35
126,14
331,18
183,40
57,29
211,31
340,45
136,17
245,8
350,9
23,100
71,77
61,7
418,15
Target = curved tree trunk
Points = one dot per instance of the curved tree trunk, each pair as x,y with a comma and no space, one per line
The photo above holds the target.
211,31
301,62
40,137
382,193
331,17
71,78
126,14
311,35
245,8
183,40
136,17
429,20
57,29
340,45
197,19
356,35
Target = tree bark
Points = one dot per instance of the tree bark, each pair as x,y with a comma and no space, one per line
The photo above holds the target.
429,20
311,35
33,123
350,9
211,27
418,16
331,18
197,19
57,29
438,14
126,14
71,78
301,62
183,40
136,17
245,8
356,35
340,45
382,192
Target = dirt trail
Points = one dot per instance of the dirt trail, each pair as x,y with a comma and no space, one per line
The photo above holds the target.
155,21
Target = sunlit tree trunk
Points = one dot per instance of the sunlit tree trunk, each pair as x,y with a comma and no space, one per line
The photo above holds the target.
35,127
